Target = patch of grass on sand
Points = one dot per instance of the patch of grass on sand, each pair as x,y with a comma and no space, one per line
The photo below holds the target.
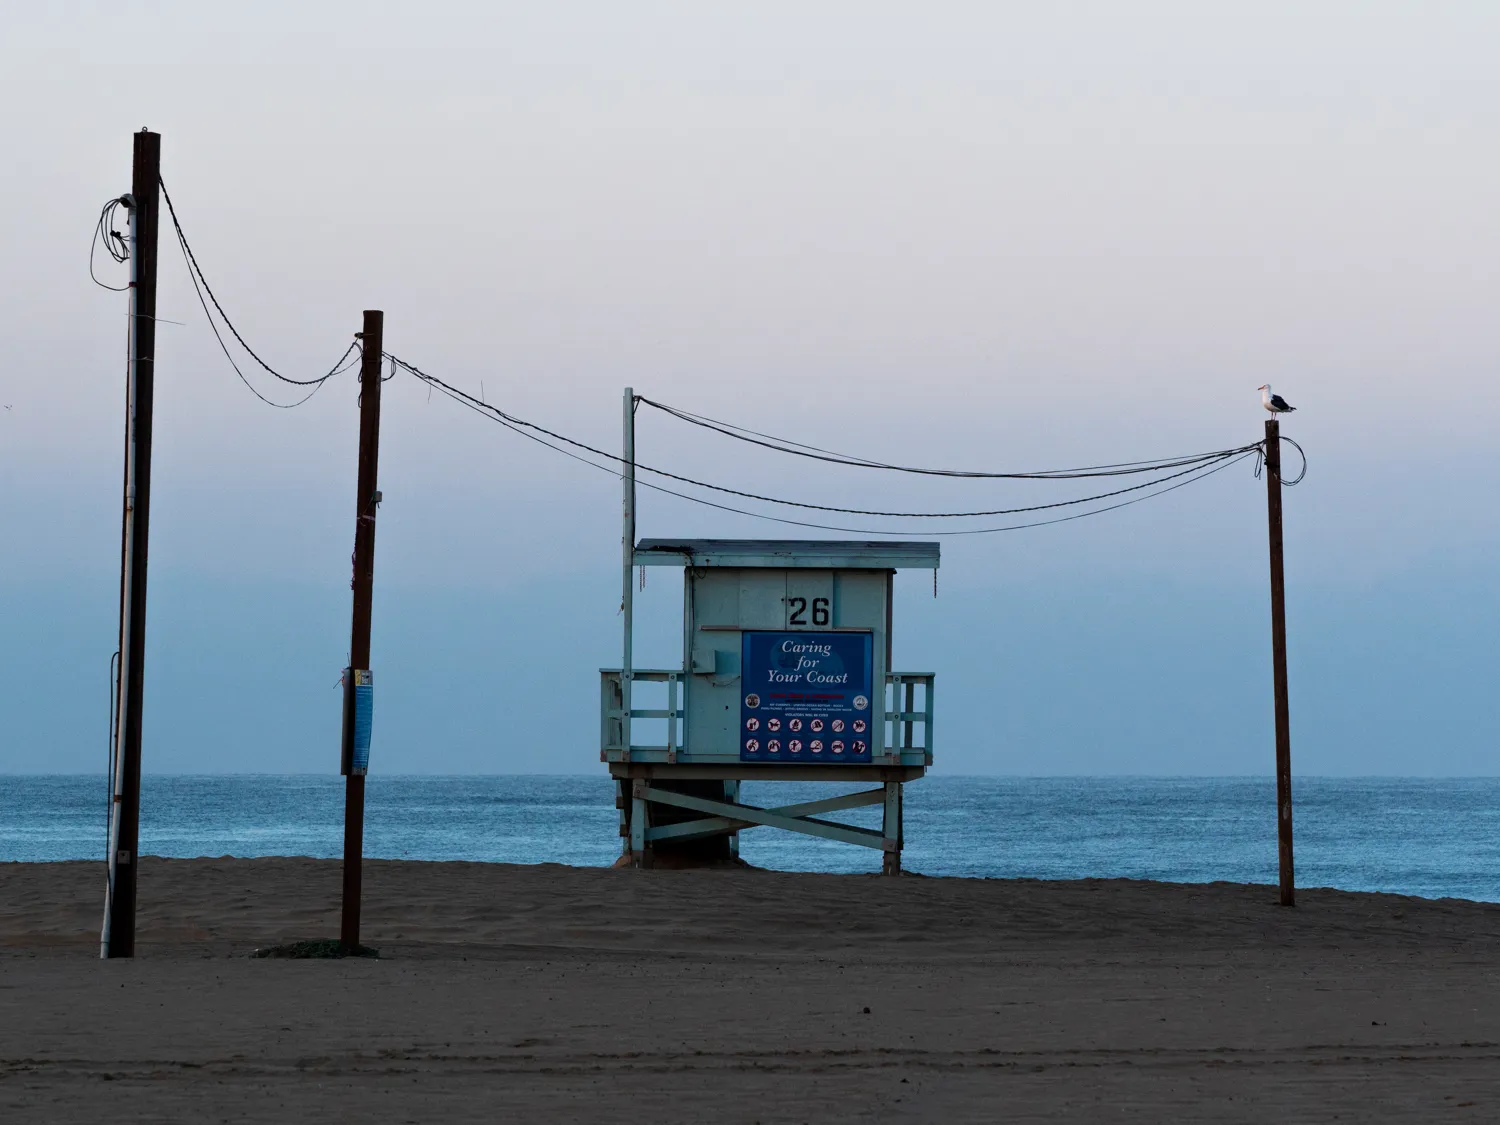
305,950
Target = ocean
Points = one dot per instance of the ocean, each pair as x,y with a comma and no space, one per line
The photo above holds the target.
1418,836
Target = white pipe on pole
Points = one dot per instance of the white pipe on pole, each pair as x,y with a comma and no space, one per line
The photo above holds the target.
127,578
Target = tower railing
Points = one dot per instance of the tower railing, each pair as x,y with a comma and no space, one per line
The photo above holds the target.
907,706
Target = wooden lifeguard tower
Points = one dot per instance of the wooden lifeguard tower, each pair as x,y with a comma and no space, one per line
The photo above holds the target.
785,676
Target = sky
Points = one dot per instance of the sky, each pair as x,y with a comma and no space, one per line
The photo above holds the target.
991,235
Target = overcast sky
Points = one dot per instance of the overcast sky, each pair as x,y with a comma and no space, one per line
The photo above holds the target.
1007,236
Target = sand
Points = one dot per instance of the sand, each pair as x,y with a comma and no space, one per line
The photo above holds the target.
548,993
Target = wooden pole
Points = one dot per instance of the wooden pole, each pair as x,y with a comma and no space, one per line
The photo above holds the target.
117,938
1278,658
367,499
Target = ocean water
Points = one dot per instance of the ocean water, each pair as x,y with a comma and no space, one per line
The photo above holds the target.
1430,837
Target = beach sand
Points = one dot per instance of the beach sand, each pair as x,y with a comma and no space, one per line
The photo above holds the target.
548,993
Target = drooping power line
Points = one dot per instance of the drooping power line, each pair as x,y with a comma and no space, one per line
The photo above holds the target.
1197,469
1166,474
799,449
201,286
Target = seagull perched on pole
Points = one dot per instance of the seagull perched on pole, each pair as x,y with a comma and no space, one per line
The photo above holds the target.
1274,403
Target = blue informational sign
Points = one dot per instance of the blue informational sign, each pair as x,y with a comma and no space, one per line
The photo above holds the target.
806,698
364,716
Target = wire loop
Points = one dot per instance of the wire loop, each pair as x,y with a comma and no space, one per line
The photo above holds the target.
112,240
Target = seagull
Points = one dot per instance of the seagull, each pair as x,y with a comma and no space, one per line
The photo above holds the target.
1274,403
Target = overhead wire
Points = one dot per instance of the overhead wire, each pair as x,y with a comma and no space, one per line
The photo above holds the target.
1201,471
433,380
1189,468
799,449
201,286
338,367
1186,466
540,434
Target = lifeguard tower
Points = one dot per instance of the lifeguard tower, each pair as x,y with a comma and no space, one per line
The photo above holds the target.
785,676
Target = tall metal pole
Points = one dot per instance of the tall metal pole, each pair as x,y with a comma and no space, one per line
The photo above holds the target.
627,542
117,937
1278,657
635,842
367,499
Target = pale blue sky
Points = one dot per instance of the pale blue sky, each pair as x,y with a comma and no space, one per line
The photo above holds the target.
1011,236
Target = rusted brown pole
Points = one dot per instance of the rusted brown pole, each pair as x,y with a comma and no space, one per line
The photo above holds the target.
1278,658
367,500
